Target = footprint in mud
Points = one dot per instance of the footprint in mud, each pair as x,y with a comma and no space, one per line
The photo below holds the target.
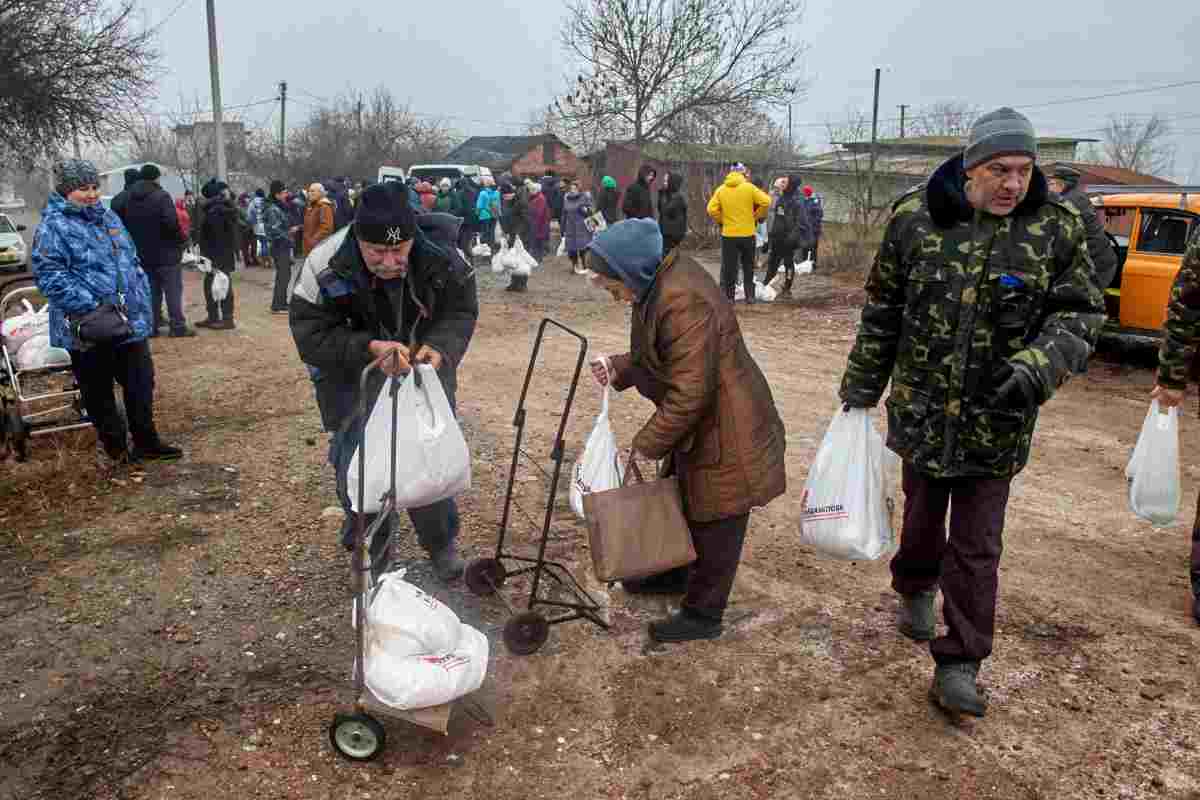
195,487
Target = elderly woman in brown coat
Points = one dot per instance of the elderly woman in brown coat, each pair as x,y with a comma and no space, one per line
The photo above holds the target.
715,423
318,218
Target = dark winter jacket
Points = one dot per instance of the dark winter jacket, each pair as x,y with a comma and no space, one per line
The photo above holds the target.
464,198
277,220
1099,247
672,209
607,202
577,207
219,233
514,210
552,189
338,307
791,222
637,197
154,226
959,298
82,258
816,211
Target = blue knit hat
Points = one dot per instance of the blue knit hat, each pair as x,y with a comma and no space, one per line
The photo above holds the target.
74,173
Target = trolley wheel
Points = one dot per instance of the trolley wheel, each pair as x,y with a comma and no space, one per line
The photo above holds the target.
358,737
526,633
484,576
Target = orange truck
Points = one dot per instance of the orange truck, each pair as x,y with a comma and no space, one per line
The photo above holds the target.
1150,227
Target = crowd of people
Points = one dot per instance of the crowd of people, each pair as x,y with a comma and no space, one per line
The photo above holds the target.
983,300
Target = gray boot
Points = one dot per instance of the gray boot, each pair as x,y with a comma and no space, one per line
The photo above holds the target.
954,689
447,565
918,616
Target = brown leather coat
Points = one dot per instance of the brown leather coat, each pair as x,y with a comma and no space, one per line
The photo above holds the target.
716,417
318,223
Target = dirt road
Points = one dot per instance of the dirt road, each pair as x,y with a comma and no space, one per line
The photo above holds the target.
184,633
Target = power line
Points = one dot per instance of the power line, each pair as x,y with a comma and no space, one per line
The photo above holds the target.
169,15
1112,94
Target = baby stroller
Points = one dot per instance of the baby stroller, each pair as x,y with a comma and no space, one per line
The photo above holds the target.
38,393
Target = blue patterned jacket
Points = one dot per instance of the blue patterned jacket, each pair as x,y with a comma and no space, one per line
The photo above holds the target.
77,254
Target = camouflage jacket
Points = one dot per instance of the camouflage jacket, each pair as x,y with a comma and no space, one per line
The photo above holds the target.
953,295
1181,333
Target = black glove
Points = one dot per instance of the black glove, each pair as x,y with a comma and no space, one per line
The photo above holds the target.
1015,388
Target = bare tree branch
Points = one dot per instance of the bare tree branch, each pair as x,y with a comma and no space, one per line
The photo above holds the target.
1139,144
645,63
69,67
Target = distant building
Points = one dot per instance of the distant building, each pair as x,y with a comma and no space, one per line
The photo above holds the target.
523,156
900,165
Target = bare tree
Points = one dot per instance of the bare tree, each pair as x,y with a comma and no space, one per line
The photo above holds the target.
69,68
1139,144
946,118
353,134
646,63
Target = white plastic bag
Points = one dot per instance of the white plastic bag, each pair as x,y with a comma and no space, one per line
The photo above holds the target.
522,258
562,247
36,353
805,267
845,503
17,330
762,293
432,460
1153,469
220,285
421,681
500,258
597,470
408,621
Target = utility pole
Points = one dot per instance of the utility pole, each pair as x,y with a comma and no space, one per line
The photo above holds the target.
75,138
215,68
903,108
282,120
874,140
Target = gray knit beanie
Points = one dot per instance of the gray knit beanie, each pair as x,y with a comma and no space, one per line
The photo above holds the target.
1002,132
74,173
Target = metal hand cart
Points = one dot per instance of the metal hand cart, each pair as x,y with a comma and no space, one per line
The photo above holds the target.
33,402
526,631
360,736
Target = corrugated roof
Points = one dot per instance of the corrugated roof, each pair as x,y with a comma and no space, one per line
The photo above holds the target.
494,150
1104,174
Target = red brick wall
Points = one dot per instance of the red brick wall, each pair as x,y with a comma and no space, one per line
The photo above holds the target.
566,165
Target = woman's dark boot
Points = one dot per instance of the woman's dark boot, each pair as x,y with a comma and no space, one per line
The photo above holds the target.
517,283
684,627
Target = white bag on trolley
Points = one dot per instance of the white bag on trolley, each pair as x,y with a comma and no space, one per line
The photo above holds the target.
220,285
845,503
597,470
432,460
418,653
1153,469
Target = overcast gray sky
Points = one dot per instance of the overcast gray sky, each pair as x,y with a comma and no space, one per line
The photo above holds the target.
486,65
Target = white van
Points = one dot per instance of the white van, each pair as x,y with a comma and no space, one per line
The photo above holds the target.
391,174
113,181
435,172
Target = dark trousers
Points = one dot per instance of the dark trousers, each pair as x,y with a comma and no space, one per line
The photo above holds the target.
579,258
733,250
670,243
709,579
466,237
781,255
249,251
487,232
965,565
281,254
130,366
436,525
167,281
1196,552
813,255
224,307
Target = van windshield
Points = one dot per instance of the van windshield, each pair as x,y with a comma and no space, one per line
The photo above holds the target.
6,226
435,174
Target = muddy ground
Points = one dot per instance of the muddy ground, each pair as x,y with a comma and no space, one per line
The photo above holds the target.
183,632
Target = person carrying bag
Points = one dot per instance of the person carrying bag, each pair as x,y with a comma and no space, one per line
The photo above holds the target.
715,426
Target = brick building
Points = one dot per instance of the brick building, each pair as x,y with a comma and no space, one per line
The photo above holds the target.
523,156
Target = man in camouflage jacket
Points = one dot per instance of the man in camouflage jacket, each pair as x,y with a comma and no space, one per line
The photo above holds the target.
1181,334
982,302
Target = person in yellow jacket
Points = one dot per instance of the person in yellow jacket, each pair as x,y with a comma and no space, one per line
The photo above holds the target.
737,206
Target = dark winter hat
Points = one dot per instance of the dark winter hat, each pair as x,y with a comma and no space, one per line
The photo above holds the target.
1002,132
150,173
209,190
384,215
132,176
277,187
259,193
74,173
1067,175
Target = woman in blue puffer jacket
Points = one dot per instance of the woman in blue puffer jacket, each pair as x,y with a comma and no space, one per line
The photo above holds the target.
82,259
